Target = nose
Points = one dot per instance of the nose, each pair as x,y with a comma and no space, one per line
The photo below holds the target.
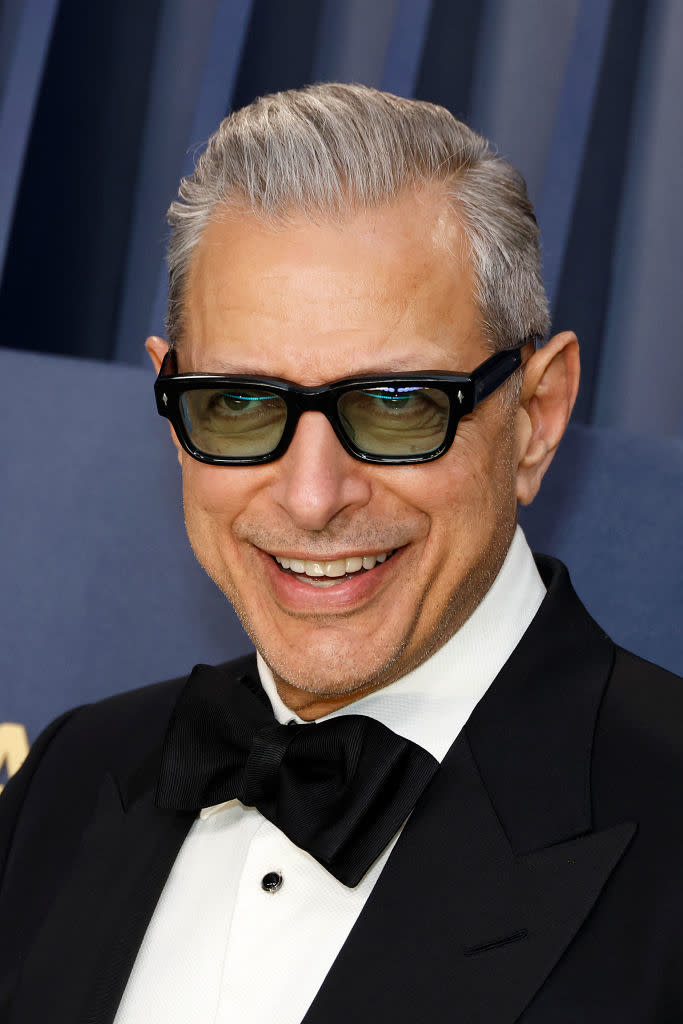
317,479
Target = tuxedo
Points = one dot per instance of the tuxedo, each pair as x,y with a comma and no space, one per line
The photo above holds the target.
537,880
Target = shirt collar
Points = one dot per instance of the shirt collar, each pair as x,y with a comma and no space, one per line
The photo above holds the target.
431,704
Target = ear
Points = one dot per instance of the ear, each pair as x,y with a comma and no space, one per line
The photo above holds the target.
157,349
551,382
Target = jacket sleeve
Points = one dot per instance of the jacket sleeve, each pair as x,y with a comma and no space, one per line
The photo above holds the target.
12,801
14,793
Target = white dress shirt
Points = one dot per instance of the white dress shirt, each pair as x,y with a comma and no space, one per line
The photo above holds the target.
220,949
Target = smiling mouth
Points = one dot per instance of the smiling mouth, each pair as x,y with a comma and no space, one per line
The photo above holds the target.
330,574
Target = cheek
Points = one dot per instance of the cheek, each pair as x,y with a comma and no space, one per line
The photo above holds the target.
470,500
463,488
213,496
485,460
214,491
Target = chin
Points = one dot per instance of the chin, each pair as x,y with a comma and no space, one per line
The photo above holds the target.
332,666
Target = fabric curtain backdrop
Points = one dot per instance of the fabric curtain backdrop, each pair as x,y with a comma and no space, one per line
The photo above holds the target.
103,106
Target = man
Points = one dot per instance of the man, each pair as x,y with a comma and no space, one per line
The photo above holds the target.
482,824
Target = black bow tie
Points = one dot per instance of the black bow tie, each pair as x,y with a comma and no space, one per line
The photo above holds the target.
339,789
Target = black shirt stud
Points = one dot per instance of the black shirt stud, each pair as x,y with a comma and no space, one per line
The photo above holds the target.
272,881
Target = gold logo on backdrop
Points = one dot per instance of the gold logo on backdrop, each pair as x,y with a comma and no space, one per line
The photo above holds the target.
13,747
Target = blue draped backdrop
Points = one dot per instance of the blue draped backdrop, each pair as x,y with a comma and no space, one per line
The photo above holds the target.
103,106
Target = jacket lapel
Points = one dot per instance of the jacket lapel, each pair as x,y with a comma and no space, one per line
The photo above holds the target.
100,916
494,874
457,925
498,867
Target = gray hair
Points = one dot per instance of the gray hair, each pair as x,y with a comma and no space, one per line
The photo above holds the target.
329,149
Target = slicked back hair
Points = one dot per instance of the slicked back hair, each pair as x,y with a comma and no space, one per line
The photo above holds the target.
329,150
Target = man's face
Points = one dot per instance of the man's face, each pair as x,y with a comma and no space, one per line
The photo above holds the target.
388,290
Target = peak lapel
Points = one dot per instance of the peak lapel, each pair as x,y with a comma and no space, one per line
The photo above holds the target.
497,868
99,918
457,925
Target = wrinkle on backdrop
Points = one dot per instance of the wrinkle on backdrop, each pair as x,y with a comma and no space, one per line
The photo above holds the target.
103,107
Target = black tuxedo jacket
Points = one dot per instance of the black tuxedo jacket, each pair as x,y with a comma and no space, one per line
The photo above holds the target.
539,878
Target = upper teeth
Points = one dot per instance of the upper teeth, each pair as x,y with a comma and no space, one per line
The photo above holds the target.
339,567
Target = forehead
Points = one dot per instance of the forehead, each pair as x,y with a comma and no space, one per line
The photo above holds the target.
385,288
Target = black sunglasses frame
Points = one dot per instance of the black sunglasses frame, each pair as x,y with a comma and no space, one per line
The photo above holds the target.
464,391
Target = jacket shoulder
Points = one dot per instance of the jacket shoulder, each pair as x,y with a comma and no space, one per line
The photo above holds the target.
63,771
642,700
111,734
46,806
638,745
62,774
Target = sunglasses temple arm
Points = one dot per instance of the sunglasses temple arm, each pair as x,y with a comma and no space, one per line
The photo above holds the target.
495,372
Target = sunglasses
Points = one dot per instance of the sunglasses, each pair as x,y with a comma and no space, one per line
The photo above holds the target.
399,419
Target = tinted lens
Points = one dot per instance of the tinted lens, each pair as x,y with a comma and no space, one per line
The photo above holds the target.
396,421
241,422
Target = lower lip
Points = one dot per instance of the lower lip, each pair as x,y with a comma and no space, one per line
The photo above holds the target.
293,593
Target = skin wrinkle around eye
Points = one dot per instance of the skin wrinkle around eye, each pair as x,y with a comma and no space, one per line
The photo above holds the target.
374,422
405,433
